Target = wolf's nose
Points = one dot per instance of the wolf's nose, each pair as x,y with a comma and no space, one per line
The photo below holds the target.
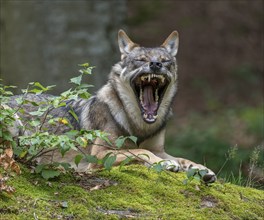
155,66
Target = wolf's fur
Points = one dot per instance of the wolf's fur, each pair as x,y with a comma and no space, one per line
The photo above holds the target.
133,102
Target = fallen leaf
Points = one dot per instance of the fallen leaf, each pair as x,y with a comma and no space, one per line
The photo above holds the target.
9,152
7,161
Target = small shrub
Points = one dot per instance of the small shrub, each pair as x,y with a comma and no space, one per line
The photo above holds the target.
28,147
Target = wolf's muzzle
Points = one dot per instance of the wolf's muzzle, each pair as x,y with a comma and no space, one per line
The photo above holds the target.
155,66
149,88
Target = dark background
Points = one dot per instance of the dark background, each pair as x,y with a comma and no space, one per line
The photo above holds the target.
220,100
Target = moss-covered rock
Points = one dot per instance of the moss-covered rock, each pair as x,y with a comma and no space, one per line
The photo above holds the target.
132,192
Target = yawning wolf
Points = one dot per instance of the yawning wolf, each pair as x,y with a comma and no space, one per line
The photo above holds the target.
135,101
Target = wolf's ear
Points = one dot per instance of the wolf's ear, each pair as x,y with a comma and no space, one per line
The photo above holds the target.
125,44
172,43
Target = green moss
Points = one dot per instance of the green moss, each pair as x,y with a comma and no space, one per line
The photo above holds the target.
132,191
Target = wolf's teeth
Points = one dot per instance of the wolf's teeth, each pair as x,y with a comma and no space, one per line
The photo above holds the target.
156,95
151,76
162,78
155,116
141,95
145,115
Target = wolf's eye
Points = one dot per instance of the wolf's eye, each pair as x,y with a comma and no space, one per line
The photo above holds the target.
164,60
141,59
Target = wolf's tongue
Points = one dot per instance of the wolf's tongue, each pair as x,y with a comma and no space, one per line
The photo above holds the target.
149,105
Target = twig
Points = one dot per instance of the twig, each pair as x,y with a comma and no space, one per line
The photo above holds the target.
40,153
140,158
45,117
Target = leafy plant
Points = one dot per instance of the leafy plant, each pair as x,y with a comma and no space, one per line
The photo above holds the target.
36,139
6,118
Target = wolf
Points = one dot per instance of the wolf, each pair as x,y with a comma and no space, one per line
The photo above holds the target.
135,101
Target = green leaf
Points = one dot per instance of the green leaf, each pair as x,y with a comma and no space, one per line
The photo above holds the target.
85,86
72,133
88,71
82,141
191,172
126,161
91,158
202,173
37,113
77,80
66,166
8,93
50,87
78,159
23,154
39,168
133,138
89,137
74,115
49,174
39,85
158,167
19,100
197,177
102,136
39,88
109,162
65,94
8,87
34,123
86,65
7,136
32,103
36,91
65,144
85,95
120,141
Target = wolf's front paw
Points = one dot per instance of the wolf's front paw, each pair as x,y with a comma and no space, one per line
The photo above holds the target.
171,165
207,175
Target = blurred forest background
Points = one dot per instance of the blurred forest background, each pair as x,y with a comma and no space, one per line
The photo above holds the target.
219,105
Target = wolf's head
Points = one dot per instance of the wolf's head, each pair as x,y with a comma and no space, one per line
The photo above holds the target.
147,77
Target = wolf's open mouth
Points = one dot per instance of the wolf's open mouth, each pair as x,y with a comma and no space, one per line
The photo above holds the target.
150,89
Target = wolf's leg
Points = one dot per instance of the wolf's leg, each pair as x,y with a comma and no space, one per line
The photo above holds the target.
138,155
185,165
141,156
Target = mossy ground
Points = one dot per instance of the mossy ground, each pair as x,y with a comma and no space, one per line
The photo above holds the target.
132,192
